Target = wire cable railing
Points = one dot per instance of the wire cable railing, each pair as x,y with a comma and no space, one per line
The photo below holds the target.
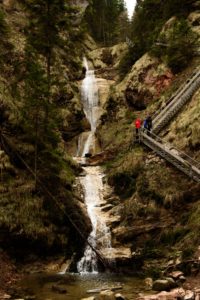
178,158
172,148
175,103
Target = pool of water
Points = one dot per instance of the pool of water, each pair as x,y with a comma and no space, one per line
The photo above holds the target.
78,286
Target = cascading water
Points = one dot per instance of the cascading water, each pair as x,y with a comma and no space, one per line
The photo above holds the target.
90,100
100,237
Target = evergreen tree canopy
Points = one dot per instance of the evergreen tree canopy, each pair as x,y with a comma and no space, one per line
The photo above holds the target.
103,20
46,31
5,46
146,24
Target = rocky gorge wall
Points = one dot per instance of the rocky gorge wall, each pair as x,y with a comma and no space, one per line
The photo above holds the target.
157,210
152,203
31,222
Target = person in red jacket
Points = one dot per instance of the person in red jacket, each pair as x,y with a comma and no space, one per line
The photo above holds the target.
137,127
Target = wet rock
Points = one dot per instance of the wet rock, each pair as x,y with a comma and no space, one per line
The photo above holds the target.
172,282
58,289
148,282
89,298
172,295
181,279
189,295
5,296
176,274
124,233
106,295
107,207
162,285
121,255
113,221
119,297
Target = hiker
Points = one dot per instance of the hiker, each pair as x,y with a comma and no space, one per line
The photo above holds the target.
137,127
149,123
145,125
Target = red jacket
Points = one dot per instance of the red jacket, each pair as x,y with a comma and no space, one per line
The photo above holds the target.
138,123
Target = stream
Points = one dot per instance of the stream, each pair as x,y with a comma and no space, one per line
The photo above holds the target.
79,286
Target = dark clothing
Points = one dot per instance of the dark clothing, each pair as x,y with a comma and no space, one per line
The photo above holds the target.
145,124
149,123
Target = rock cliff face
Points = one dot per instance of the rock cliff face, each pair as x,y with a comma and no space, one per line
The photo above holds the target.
153,203
158,205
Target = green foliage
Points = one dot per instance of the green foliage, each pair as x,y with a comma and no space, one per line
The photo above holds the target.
40,117
124,184
127,61
147,22
124,173
106,56
5,46
188,252
153,272
48,20
178,46
103,19
172,236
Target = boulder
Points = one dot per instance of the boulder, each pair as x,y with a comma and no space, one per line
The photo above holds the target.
5,296
172,282
172,295
181,279
189,295
148,283
162,285
119,297
176,274
106,295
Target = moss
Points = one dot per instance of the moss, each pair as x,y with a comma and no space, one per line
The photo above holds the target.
172,236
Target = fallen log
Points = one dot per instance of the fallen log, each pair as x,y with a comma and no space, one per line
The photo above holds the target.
115,288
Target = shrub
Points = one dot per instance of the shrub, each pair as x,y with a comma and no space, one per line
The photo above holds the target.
107,57
177,46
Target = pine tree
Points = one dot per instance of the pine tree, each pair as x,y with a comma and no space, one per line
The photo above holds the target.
102,18
49,20
146,24
5,46
45,34
39,131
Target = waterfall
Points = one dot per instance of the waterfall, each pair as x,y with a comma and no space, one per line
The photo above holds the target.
100,237
90,100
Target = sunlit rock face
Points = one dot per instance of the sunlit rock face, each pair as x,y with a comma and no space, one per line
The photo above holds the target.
146,81
80,3
9,4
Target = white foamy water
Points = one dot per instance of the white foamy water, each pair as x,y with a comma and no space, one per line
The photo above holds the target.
90,100
100,237
90,97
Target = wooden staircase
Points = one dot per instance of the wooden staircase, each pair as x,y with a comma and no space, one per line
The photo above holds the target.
176,102
179,159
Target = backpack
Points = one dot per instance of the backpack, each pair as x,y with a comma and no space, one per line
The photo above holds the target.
145,124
